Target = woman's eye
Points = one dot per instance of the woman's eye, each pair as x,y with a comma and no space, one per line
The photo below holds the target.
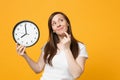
53,24
61,19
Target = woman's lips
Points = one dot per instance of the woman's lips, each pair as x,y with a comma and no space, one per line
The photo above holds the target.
60,28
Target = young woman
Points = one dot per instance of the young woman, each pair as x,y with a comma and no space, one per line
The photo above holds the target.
62,57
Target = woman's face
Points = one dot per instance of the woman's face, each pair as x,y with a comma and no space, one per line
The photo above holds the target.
59,24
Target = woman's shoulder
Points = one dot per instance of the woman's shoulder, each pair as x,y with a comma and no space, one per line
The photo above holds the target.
83,51
81,45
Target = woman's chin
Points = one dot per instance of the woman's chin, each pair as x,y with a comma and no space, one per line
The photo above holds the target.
61,33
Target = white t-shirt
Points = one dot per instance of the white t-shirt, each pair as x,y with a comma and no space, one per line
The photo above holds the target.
59,70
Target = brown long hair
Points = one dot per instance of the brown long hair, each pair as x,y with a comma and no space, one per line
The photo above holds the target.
50,49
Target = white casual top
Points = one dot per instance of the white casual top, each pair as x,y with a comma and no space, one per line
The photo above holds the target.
59,70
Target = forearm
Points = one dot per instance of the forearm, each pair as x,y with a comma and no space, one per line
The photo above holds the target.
74,67
34,65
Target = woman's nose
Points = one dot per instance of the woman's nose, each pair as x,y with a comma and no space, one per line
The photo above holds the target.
58,25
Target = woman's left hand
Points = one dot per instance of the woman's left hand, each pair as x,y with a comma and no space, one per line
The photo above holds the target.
66,41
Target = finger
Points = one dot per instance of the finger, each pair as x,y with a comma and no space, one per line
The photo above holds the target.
23,50
20,48
64,40
17,48
67,35
17,44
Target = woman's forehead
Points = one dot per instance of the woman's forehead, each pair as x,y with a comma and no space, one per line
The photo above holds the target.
57,16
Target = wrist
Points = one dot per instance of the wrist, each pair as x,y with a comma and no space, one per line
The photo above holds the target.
24,55
67,50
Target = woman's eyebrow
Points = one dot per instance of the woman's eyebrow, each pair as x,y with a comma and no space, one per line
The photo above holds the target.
58,19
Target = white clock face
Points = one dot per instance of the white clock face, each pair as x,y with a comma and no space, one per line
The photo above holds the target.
26,33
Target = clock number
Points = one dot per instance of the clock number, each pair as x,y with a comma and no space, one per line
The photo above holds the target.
18,29
18,38
26,42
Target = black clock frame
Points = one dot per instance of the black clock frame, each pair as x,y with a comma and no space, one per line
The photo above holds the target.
29,22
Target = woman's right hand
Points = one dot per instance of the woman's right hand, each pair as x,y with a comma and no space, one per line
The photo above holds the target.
21,50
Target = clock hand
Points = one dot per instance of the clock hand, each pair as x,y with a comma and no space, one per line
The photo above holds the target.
23,35
25,32
25,29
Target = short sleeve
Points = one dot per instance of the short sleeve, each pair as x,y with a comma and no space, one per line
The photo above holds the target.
83,52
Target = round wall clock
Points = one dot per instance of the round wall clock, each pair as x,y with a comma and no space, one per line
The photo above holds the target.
26,33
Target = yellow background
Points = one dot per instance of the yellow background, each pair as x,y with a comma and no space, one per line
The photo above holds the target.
94,22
